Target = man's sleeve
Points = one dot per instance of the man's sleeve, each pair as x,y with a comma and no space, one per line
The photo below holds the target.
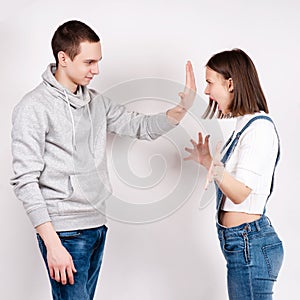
146,127
28,143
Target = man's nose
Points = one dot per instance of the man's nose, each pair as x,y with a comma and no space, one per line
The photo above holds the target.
95,69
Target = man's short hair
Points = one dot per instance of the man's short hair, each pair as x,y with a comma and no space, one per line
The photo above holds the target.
68,36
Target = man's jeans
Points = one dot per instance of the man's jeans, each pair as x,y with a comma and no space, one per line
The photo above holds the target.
254,255
86,248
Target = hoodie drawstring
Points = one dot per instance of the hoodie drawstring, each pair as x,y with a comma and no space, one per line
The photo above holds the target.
73,126
73,123
92,131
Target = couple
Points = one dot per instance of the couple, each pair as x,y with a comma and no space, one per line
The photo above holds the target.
62,124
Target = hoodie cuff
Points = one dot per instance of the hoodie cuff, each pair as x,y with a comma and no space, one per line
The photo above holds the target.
39,216
164,123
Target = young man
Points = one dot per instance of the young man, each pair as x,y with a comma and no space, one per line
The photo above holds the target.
58,146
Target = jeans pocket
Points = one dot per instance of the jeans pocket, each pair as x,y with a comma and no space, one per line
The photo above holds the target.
67,235
233,245
273,255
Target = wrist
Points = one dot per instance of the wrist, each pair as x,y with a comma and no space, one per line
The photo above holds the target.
53,242
218,172
48,235
176,114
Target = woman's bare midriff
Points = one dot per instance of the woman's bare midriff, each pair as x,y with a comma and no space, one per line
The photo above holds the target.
232,219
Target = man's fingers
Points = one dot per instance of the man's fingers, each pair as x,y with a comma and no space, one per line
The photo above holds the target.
73,267
51,273
56,275
64,275
70,275
63,278
190,77
187,74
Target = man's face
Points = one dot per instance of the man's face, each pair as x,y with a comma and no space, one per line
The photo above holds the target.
84,66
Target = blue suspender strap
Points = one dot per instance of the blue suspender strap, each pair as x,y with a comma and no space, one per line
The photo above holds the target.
231,148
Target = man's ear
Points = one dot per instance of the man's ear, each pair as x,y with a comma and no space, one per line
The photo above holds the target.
62,58
230,85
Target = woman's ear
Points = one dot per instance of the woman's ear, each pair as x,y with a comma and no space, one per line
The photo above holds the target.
230,85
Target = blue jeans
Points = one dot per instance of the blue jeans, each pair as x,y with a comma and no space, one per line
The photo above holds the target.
254,256
86,248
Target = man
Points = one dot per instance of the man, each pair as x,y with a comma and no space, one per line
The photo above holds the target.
59,161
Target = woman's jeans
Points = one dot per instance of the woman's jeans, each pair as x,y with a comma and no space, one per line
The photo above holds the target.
86,248
254,256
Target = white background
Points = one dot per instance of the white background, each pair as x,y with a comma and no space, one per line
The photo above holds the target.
178,257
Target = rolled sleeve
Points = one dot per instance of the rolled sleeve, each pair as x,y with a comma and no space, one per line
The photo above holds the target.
250,178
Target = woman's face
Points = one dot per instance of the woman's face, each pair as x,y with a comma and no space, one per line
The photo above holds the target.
219,90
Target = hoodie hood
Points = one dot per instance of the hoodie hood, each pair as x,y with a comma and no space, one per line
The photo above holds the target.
78,100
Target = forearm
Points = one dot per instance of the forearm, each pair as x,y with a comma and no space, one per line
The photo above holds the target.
235,190
60,262
48,235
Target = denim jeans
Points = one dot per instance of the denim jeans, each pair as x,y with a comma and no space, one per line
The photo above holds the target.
86,248
254,256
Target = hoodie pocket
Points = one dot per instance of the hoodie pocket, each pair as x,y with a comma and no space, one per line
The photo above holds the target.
89,190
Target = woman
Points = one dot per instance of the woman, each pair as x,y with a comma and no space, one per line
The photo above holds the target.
244,175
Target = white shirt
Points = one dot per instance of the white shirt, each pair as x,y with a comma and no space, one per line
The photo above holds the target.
252,163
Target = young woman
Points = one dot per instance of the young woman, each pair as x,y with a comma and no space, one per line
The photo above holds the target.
243,177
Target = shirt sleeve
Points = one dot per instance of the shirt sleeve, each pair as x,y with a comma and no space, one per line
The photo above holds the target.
28,143
256,154
146,127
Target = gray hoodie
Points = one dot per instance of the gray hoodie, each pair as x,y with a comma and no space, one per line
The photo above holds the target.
59,151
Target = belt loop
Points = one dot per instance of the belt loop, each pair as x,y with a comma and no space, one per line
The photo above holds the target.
257,225
223,235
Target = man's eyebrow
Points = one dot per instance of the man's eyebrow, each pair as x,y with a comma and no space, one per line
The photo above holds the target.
93,60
